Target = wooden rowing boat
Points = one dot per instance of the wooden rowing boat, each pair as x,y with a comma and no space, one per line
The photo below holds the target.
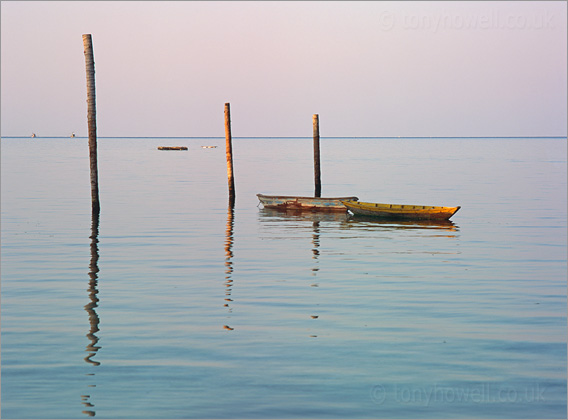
399,211
287,202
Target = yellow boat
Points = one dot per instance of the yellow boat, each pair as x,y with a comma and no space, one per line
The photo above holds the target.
400,211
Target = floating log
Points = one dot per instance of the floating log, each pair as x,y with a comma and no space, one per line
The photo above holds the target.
172,148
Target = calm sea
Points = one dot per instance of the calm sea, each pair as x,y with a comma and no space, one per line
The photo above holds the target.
173,305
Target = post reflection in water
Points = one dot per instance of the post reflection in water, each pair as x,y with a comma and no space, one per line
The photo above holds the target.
229,259
315,256
299,222
316,243
94,320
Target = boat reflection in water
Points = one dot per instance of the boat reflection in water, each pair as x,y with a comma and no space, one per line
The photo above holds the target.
304,219
351,237
348,221
92,348
302,215
370,222
308,224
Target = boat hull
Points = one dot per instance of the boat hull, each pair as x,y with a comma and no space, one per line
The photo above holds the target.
286,202
400,211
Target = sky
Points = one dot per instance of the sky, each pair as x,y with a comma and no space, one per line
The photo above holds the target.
367,68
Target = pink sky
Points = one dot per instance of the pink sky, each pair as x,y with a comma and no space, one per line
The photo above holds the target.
367,68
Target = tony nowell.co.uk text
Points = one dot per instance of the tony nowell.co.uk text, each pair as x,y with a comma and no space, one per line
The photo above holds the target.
482,393
436,22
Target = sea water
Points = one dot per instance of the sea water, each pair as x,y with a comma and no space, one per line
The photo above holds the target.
174,305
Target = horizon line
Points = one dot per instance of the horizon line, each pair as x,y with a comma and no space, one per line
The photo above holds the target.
288,137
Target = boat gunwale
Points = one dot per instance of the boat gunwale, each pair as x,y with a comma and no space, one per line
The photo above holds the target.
395,207
297,197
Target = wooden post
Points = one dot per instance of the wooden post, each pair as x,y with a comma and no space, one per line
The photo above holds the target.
317,172
229,152
92,121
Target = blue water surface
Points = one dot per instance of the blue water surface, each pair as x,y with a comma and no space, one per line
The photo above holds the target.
174,305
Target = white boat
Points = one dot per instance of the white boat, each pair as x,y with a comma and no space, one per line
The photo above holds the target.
287,202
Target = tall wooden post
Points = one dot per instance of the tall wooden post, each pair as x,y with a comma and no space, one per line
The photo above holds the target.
229,152
317,172
92,121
